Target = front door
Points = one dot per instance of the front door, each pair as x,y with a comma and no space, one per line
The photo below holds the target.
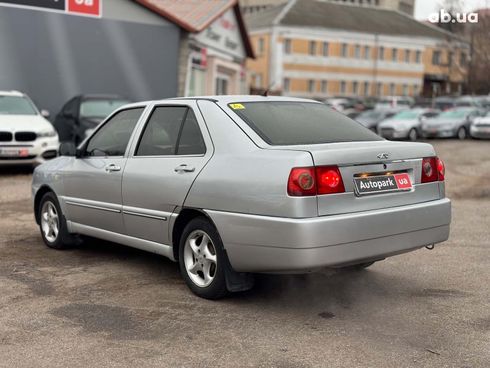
169,155
93,181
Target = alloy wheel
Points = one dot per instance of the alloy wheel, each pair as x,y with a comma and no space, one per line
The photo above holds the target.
200,258
50,223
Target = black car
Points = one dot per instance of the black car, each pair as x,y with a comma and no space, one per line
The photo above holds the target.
81,114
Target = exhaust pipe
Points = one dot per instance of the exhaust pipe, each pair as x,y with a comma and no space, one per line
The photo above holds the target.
430,247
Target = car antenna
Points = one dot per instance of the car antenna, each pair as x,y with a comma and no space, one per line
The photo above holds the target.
267,90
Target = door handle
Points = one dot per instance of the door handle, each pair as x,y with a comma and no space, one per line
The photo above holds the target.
184,168
112,168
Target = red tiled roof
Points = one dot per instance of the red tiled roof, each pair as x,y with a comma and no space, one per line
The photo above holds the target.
191,15
195,15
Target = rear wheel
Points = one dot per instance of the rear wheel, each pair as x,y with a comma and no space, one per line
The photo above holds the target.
413,134
53,224
462,134
202,259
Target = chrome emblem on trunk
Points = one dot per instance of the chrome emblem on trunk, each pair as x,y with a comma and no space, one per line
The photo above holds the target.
382,156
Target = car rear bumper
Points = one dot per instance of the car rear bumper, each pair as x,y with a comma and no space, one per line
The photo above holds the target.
272,244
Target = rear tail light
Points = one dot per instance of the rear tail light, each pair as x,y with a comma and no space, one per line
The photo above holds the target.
432,169
310,181
441,169
302,182
329,180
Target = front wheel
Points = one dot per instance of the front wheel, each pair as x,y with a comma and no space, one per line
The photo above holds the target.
53,224
202,259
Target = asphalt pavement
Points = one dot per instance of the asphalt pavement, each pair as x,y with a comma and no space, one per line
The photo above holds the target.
105,305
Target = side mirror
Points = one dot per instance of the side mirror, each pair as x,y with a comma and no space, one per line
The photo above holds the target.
423,119
67,149
45,114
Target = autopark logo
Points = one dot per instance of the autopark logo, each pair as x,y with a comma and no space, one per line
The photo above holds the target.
444,16
79,7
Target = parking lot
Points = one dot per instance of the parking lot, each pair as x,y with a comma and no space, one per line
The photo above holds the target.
108,305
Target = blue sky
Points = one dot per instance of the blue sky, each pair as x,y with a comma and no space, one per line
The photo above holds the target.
425,7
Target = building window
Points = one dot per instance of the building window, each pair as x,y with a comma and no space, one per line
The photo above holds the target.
417,56
261,45
287,46
379,89
357,52
416,89
324,86
392,89
407,56
381,53
450,57
355,88
367,52
462,59
325,49
312,48
394,55
366,89
343,51
311,86
405,90
286,84
343,87
436,58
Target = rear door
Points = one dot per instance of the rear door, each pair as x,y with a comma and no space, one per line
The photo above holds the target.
93,182
172,148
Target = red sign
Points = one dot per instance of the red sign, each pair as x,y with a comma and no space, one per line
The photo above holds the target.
403,181
88,7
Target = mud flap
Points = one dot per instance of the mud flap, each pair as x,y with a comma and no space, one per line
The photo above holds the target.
237,281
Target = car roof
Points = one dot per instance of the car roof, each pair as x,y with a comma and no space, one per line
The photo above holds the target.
11,93
225,99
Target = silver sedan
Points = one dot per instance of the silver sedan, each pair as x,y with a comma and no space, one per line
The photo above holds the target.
229,186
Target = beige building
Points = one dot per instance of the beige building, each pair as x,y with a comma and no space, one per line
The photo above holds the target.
405,6
318,49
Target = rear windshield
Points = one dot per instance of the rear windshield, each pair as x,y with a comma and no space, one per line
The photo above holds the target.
291,123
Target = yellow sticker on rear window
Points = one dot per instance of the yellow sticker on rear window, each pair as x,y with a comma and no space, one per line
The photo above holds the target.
237,106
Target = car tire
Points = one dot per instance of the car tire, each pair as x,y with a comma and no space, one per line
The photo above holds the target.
52,224
202,259
413,135
462,134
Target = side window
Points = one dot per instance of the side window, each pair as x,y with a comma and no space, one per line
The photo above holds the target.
113,138
162,131
171,130
191,141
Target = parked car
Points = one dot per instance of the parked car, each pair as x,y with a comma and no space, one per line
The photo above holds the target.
347,106
81,115
395,102
406,124
451,123
480,127
26,137
233,185
444,103
371,118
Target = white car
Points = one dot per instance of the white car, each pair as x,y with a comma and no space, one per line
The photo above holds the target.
480,127
26,137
